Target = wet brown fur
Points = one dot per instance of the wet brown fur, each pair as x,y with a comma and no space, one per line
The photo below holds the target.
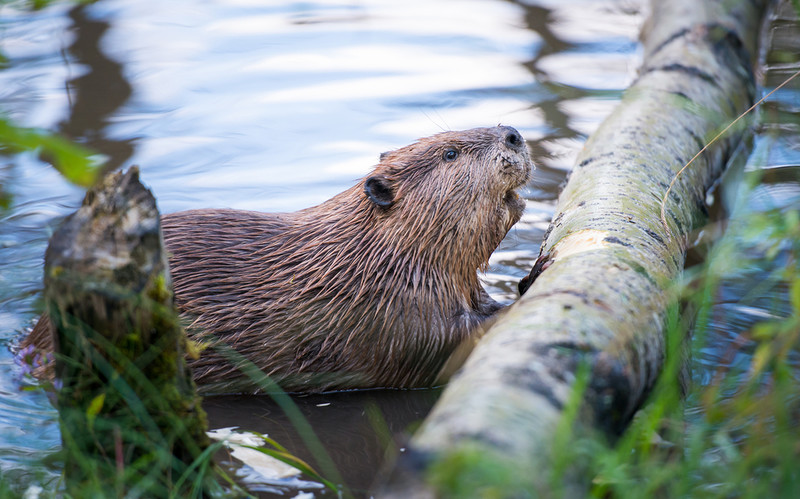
349,293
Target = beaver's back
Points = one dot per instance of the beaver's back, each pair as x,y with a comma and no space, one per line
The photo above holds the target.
310,302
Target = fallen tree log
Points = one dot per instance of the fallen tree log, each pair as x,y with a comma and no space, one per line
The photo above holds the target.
131,422
602,299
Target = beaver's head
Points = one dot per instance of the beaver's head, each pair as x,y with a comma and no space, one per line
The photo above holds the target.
452,191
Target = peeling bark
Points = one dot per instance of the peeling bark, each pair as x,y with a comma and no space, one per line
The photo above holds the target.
598,294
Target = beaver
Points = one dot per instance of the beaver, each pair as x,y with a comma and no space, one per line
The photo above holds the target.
375,287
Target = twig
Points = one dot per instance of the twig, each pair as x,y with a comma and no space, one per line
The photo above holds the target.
720,134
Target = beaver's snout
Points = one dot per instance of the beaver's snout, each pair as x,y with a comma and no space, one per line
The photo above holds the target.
512,138
514,156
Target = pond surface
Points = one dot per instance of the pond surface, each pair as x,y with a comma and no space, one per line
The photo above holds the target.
276,106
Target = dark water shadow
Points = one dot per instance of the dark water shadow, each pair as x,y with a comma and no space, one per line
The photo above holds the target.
96,95
539,19
360,430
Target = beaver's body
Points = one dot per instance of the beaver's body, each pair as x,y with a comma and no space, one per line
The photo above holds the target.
372,288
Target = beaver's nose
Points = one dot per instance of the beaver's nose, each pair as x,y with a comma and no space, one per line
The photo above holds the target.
512,138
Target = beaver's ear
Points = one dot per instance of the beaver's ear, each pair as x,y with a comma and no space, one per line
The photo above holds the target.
386,154
379,190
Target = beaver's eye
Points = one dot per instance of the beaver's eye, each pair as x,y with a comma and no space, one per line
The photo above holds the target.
450,154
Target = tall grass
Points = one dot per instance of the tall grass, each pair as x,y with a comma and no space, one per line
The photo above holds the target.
736,433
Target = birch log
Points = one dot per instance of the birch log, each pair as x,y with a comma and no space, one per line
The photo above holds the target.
601,300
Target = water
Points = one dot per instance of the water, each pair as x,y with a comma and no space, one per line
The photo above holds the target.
276,106
754,290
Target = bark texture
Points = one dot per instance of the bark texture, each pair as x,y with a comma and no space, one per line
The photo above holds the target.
602,299
130,420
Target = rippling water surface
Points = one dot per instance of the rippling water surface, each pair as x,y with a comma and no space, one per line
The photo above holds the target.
276,106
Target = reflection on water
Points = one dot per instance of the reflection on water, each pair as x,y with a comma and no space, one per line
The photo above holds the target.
276,106
96,94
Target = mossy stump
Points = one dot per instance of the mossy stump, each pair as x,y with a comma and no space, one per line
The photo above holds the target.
131,421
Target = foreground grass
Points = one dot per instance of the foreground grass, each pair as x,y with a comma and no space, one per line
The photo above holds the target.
735,433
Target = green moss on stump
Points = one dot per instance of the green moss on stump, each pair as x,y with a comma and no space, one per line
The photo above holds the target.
130,418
